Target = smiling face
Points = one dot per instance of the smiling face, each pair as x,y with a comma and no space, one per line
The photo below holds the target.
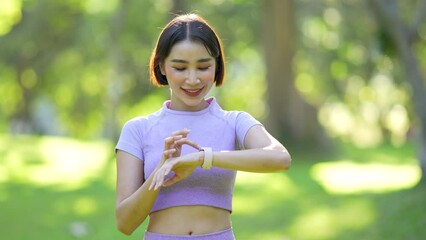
190,72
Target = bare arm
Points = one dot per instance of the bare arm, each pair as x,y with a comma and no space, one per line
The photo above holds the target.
134,200
263,154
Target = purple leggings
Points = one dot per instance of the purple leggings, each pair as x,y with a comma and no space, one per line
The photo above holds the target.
221,235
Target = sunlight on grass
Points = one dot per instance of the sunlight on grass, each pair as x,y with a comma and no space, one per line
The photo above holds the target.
258,203
325,222
85,206
347,177
65,163
319,221
255,186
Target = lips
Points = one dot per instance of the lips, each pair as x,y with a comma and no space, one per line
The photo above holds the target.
192,92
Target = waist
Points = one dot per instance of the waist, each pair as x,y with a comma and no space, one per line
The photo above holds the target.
227,234
189,220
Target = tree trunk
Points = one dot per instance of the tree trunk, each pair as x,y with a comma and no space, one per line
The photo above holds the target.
111,127
22,121
387,13
178,7
290,117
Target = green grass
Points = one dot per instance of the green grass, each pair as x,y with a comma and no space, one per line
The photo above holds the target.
56,188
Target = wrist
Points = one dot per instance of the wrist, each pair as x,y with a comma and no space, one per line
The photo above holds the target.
200,158
207,157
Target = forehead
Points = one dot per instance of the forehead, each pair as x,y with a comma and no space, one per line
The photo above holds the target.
188,50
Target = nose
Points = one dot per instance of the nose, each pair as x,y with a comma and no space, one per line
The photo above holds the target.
192,78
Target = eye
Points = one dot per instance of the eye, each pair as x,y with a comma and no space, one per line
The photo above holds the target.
179,69
203,68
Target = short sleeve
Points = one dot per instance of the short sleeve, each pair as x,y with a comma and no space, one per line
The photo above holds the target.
130,139
243,123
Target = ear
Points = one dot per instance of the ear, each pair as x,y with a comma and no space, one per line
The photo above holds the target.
161,65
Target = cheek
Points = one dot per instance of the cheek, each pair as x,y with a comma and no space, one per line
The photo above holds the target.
173,74
208,75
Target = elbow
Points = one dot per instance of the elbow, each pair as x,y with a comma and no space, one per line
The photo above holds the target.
123,226
285,161
127,221
124,229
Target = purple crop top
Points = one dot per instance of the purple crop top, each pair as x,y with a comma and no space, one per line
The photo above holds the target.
212,127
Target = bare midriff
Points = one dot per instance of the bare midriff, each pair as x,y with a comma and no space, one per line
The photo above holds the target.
189,220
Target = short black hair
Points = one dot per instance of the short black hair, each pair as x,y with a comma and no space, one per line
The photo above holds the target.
186,27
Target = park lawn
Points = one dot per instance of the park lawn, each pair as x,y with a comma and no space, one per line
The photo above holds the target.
59,188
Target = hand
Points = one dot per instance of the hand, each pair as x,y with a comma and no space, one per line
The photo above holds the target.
172,150
173,145
181,166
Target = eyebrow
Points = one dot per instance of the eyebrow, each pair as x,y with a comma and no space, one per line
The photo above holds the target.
202,60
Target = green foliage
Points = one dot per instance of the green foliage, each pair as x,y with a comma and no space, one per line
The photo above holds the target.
10,14
348,68
86,62
83,65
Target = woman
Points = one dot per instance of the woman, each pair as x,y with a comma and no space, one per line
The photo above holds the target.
162,170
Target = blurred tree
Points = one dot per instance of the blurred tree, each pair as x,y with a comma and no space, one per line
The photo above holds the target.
178,7
80,67
115,54
403,37
28,51
289,114
344,67
68,63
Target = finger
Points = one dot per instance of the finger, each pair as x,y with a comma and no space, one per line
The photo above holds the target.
160,181
167,171
186,141
171,181
161,175
158,177
157,180
151,186
189,143
169,153
169,141
184,132
180,132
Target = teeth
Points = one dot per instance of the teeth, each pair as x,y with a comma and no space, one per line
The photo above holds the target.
192,91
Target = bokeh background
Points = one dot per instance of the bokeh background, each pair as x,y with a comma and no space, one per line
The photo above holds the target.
340,83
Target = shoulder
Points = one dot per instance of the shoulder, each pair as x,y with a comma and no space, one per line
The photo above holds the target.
143,123
228,115
235,116
239,121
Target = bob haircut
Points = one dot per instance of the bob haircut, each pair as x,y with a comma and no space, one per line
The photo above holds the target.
186,27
